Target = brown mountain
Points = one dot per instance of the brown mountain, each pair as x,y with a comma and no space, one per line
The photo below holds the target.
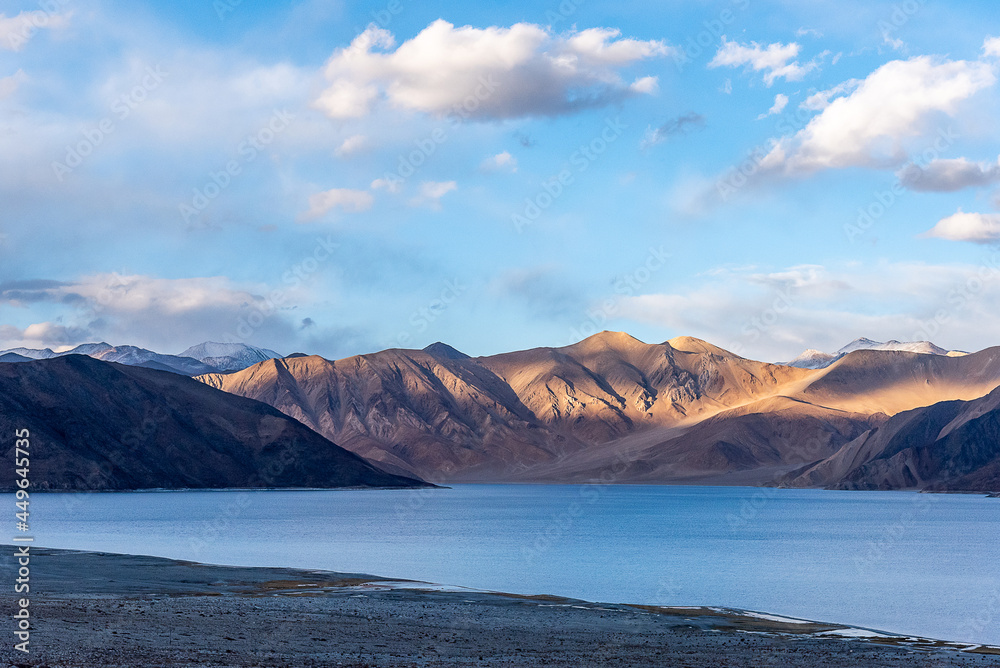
889,381
682,410
951,445
103,426
437,413
748,445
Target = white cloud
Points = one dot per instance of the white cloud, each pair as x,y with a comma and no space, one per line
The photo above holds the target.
949,175
352,145
388,184
775,60
991,47
980,228
487,73
645,85
431,193
10,84
17,31
132,309
775,316
780,102
499,162
896,43
345,199
868,127
821,100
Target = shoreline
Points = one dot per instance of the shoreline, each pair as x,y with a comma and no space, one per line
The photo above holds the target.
96,608
527,483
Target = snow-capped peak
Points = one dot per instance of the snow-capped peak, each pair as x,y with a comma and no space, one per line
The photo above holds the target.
812,359
32,353
229,356
815,359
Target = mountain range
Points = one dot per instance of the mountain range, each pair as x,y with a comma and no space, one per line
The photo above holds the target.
104,426
204,358
608,408
816,359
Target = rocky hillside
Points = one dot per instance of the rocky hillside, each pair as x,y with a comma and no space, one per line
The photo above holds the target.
952,445
682,410
102,426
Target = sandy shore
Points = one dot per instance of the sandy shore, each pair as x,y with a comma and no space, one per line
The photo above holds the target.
109,610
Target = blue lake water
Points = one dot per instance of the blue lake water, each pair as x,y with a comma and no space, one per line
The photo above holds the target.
902,562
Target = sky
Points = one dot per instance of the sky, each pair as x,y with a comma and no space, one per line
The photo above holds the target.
339,178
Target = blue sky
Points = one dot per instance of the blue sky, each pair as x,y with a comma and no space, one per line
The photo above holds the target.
338,178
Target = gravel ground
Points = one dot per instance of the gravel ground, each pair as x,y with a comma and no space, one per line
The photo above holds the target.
107,610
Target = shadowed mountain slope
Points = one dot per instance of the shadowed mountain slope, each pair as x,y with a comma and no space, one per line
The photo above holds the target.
952,445
104,426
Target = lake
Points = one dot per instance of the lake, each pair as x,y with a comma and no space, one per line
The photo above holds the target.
902,562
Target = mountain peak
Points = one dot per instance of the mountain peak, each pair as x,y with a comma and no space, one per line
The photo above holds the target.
813,359
444,351
229,356
691,344
925,347
609,339
861,343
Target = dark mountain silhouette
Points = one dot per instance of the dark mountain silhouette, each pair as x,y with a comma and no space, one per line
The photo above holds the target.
103,426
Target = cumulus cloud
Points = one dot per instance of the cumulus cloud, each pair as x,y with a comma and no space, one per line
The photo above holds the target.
344,199
431,193
680,125
351,145
949,175
780,102
776,60
980,228
485,73
500,162
17,31
868,127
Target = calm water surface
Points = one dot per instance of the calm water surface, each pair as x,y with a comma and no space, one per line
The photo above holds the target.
922,564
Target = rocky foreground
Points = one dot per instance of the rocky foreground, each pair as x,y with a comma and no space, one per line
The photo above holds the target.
110,610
